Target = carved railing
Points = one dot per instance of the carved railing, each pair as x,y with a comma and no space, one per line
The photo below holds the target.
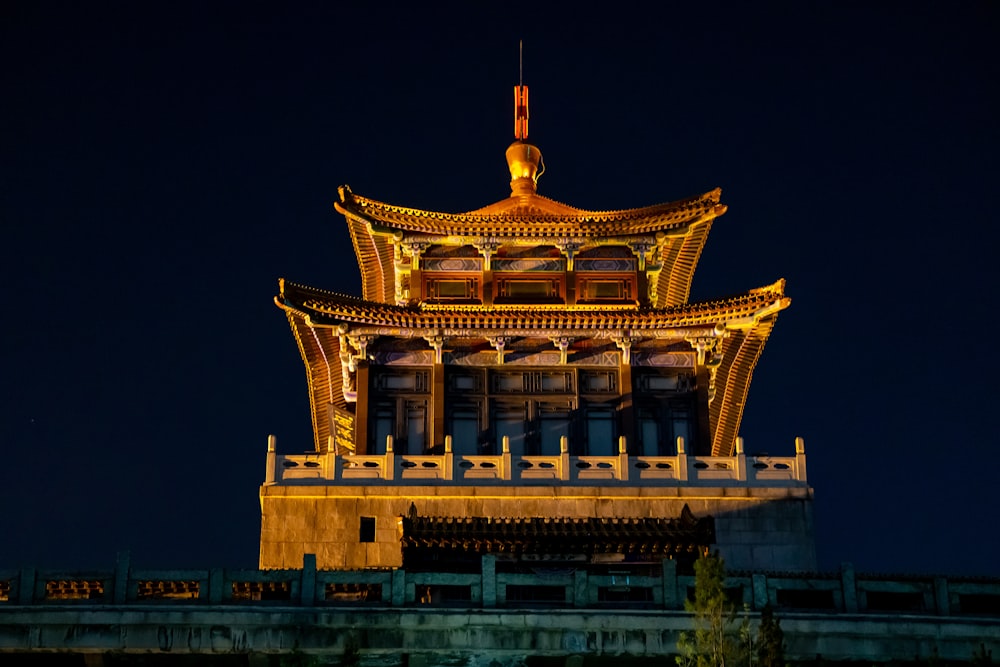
681,469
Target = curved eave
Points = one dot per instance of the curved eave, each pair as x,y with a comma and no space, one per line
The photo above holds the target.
318,346
331,309
375,259
740,352
534,216
679,257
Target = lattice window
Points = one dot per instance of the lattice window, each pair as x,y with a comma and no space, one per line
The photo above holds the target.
598,382
606,289
262,590
529,289
600,429
401,381
168,590
74,589
353,593
405,419
455,289
4,591
532,382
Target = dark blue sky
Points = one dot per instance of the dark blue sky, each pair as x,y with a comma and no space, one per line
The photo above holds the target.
163,164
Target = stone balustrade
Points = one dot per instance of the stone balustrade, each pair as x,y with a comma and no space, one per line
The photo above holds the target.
553,611
628,585
623,469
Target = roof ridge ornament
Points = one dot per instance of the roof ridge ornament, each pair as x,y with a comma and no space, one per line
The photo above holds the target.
523,159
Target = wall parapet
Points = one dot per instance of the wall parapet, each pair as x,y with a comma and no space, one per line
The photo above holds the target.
844,592
600,612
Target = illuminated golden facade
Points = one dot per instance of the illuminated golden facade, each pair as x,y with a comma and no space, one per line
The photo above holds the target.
524,360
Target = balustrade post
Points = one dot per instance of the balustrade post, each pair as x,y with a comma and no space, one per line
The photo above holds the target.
581,585
489,581
849,586
622,458
942,600
389,460
682,460
336,466
122,572
563,458
307,581
505,458
760,597
216,585
449,459
398,588
26,586
741,461
330,459
271,467
671,599
800,459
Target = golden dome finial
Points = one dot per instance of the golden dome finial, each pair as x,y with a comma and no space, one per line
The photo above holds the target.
523,159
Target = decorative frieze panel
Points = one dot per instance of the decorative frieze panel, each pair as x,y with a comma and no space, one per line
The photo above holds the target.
526,358
403,358
529,264
453,264
583,264
666,359
597,357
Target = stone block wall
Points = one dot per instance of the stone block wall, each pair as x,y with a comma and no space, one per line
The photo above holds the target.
756,528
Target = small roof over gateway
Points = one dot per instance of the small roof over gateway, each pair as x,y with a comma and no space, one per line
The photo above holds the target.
652,537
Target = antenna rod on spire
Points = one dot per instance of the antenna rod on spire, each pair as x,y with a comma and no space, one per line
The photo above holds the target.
520,98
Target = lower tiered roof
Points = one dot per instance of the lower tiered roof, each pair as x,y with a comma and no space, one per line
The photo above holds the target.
737,327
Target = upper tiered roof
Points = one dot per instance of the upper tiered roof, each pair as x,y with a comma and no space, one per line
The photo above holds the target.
532,216
674,231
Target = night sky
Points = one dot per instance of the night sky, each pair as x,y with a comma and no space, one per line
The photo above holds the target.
163,164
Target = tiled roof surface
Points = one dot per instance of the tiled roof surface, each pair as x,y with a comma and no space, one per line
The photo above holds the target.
560,535
534,216
329,307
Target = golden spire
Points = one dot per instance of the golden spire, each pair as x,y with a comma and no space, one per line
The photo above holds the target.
523,159
520,99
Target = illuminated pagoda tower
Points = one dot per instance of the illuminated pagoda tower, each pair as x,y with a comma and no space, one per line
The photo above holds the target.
529,380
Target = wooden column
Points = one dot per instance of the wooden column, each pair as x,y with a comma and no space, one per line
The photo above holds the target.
642,288
436,440
626,407
361,409
703,447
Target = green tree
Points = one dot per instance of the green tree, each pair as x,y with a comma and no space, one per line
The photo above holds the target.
770,640
982,657
715,641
